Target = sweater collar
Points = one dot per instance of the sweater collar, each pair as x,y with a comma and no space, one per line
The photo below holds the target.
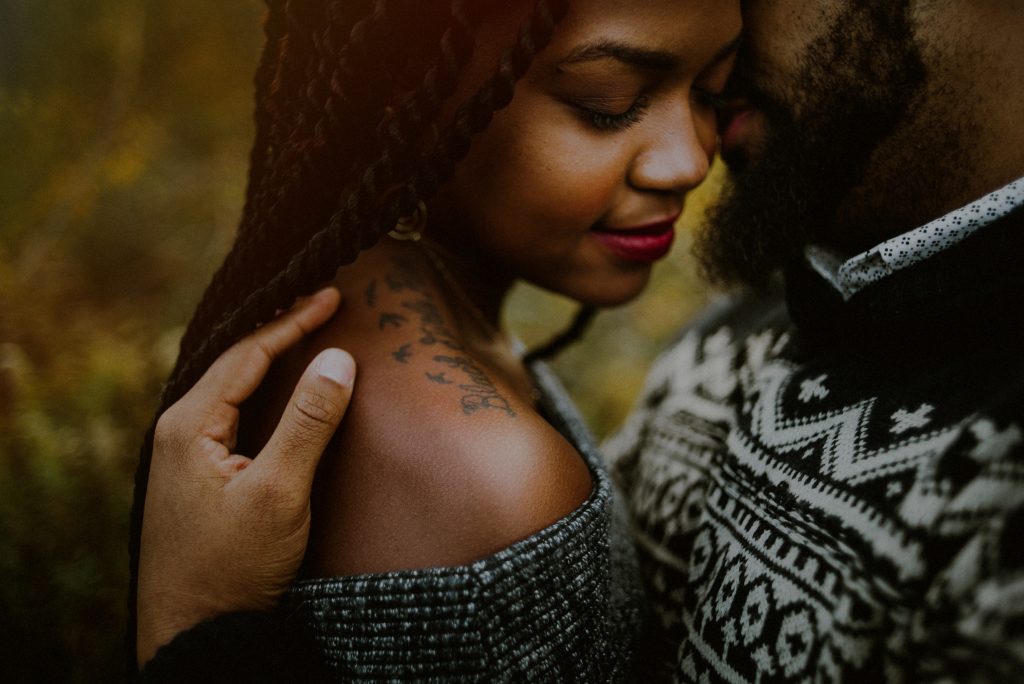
969,289
849,276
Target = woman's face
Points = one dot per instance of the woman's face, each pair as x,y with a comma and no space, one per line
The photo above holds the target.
575,186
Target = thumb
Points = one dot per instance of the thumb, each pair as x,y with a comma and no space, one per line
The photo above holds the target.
313,414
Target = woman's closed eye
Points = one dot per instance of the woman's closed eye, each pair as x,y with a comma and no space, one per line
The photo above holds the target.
611,113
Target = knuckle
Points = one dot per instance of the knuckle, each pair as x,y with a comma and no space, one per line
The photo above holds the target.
173,416
263,348
168,430
314,410
255,351
164,427
218,422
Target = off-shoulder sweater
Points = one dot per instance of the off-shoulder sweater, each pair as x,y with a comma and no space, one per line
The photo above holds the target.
563,605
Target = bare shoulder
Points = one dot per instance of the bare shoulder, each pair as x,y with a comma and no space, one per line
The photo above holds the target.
437,462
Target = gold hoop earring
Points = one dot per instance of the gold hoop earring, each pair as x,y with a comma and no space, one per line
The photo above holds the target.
411,227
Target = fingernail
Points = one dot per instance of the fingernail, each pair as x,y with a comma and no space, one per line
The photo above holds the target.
336,365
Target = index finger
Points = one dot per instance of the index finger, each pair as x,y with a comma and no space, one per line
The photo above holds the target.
236,373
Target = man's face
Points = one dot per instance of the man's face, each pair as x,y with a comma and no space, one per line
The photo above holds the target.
838,145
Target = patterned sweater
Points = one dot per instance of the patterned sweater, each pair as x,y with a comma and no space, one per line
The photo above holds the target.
834,491
563,605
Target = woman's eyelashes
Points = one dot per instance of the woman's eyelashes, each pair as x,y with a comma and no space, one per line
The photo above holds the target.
603,114
600,114
606,113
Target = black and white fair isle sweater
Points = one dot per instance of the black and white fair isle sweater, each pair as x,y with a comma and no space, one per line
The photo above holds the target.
563,605
827,491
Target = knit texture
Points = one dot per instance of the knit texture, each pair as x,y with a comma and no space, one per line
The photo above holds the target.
830,490
851,275
563,605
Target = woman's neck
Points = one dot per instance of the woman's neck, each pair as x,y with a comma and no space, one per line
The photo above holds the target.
474,296
478,290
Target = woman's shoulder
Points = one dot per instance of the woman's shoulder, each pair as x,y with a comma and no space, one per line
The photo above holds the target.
438,461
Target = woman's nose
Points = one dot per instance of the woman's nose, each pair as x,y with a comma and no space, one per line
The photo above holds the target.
676,154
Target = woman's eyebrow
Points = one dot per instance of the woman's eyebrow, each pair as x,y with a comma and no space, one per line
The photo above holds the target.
628,54
635,56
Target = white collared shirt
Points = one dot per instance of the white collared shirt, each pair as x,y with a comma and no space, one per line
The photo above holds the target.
849,276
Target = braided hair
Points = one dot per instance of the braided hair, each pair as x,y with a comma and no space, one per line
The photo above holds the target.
320,190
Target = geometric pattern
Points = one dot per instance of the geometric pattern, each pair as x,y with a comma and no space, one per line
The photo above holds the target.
801,522
854,274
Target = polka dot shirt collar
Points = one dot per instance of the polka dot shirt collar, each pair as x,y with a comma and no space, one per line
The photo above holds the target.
849,276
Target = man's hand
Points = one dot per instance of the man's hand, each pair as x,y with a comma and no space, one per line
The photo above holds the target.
221,532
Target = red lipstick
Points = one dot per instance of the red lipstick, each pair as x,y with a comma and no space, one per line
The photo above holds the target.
642,244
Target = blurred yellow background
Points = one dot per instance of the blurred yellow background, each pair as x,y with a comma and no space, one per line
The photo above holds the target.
124,135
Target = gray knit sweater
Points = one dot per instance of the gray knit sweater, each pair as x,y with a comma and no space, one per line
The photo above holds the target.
563,605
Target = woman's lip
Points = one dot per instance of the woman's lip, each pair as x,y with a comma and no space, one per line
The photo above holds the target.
659,226
645,243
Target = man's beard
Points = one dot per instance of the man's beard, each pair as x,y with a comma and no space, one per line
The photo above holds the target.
855,85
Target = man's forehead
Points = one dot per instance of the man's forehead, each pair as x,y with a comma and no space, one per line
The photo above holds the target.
783,30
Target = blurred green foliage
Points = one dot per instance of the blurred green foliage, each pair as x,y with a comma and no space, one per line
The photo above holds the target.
124,133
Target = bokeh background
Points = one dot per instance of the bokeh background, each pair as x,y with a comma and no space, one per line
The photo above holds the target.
124,133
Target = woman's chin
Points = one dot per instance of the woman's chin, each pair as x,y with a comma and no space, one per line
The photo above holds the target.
611,291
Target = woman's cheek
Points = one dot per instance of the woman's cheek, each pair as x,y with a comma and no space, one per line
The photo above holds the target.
576,186
591,197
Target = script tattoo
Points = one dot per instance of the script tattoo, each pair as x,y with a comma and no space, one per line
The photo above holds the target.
480,392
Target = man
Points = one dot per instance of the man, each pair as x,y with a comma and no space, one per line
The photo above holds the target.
828,487
826,482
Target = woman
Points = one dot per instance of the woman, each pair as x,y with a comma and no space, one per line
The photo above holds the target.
462,532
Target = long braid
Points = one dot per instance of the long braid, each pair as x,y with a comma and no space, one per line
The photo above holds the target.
329,249
319,127
266,86
319,98
274,31
439,82
278,109
584,317
273,113
495,94
248,265
333,250
358,223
